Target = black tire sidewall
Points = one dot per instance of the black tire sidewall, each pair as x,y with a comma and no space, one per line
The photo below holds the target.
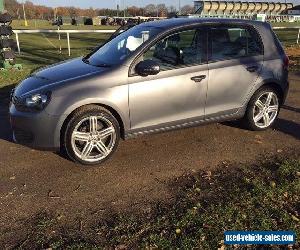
79,116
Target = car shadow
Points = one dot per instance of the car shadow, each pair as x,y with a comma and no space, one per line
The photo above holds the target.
5,129
288,127
291,108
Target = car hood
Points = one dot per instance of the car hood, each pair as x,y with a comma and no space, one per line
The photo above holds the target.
57,73
66,70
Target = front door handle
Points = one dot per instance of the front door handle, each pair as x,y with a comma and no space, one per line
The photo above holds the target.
252,68
198,78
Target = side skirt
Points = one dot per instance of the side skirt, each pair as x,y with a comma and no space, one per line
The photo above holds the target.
182,124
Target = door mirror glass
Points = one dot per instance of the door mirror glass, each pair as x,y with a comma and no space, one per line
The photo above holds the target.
147,67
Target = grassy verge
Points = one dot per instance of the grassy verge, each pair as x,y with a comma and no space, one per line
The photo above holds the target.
40,50
44,24
264,196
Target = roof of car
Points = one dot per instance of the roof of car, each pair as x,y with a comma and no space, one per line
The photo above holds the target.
183,21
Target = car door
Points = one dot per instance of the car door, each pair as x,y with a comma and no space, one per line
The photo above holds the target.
177,93
235,62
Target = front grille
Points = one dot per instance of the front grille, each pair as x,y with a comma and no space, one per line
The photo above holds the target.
23,137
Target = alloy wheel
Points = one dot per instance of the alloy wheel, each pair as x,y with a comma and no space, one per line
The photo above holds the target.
265,109
93,138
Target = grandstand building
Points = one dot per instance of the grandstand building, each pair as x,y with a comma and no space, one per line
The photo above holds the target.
241,9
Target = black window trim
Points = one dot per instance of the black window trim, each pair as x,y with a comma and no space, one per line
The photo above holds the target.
233,25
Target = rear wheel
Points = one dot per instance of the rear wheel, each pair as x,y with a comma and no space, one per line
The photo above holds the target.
91,136
262,110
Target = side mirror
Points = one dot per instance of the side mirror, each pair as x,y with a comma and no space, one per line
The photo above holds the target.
147,67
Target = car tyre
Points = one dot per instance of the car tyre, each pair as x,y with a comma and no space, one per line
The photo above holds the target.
91,135
262,110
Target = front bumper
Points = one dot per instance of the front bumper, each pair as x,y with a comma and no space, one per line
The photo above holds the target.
37,130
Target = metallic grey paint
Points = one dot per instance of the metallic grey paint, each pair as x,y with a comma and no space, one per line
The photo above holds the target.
155,103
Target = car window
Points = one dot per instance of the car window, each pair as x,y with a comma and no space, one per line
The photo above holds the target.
233,42
178,50
117,50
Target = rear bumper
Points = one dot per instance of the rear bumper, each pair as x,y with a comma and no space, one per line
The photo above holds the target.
36,130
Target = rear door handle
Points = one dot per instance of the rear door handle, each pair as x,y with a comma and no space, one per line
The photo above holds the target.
252,68
198,78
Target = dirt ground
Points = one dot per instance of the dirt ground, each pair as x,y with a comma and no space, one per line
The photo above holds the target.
33,182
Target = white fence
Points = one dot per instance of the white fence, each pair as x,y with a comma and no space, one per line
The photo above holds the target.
59,32
289,28
68,32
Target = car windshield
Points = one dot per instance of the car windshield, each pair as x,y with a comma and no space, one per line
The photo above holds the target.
121,47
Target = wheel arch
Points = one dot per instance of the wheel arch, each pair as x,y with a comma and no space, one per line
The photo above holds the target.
273,83
112,110
276,86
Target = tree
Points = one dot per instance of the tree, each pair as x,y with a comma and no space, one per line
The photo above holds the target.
162,10
172,9
150,10
73,12
61,11
187,9
42,12
90,12
133,11
12,6
30,10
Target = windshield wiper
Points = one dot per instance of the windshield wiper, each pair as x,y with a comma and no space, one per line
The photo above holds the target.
86,60
104,65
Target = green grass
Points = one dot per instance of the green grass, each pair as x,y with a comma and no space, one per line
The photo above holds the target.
287,37
286,24
44,24
258,197
39,50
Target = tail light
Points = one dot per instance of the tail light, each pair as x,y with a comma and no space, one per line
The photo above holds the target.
285,62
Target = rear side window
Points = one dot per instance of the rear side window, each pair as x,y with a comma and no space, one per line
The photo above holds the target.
277,42
234,42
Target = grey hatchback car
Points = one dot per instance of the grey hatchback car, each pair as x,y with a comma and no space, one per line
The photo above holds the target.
156,76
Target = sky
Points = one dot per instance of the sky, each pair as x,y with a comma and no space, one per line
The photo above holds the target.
113,3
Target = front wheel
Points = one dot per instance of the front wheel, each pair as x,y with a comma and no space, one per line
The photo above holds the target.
262,109
91,136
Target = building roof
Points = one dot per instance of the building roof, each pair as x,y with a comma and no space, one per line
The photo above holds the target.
245,7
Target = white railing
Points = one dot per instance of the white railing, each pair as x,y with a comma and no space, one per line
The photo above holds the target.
59,32
288,28
68,32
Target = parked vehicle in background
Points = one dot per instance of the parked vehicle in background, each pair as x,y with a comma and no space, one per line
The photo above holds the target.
156,76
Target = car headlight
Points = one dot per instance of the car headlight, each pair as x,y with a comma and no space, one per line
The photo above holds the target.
35,102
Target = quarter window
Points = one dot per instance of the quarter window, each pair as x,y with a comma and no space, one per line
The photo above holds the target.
234,42
178,50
